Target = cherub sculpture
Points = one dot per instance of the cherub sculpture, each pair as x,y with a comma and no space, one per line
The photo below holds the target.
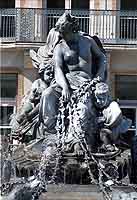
114,124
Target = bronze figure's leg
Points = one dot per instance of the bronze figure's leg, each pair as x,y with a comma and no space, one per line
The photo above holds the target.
49,108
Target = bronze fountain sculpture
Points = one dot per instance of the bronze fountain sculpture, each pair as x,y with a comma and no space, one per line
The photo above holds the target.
69,114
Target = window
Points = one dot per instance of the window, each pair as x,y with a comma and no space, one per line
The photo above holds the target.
128,5
7,25
53,15
6,112
82,15
7,4
5,131
76,4
56,4
7,101
131,113
7,19
8,85
125,91
128,24
126,87
128,20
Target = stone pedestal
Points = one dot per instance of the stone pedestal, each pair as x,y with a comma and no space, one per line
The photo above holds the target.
72,192
87,192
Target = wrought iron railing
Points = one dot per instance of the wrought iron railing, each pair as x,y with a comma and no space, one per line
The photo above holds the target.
32,25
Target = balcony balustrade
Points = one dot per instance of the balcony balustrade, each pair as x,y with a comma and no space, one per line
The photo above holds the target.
32,25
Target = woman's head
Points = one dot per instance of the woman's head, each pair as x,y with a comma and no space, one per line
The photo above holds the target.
67,23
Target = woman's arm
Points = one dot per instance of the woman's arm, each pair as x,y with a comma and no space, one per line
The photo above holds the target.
102,60
59,75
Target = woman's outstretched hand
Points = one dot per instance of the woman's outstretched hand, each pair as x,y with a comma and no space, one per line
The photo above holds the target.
65,93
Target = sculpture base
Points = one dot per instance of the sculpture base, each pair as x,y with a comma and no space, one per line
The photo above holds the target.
86,192
72,192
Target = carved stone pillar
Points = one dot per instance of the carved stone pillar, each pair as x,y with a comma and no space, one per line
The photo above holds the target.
20,91
108,64
110,78
67,4
28,3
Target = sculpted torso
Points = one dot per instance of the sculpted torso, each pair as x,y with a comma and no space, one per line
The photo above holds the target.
77,55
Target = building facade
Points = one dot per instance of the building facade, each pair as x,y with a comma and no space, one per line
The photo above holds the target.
25,24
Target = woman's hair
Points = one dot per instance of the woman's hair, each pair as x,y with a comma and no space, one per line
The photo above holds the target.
67,23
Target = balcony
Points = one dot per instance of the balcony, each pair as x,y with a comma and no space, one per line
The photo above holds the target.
32,25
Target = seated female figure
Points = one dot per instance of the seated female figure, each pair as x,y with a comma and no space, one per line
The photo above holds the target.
73,67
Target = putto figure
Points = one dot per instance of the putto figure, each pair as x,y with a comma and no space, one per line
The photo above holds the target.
115,124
